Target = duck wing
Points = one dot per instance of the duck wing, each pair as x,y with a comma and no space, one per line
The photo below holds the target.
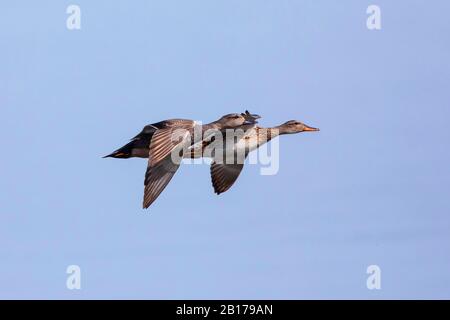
224,175
165,140
157,178
150,129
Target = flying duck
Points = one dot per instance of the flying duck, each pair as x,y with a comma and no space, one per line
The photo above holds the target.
224,173
156,142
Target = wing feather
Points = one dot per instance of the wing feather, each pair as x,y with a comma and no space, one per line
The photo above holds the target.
165,140
157,178
223,176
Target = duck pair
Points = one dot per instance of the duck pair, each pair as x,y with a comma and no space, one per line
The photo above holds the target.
167,142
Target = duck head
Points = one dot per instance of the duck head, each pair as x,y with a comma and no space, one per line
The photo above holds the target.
294,126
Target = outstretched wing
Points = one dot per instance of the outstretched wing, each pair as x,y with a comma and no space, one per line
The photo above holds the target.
165,140
157,178
224,175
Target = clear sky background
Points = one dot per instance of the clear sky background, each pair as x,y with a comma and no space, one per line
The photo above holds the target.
371,188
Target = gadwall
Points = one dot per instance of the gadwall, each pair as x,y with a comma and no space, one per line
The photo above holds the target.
156,142
224,174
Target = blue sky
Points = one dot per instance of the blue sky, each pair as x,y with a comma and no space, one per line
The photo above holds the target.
370,188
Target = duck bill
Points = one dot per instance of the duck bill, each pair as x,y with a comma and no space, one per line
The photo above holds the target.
308,128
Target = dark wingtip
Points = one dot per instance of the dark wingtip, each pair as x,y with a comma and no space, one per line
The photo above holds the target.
117,155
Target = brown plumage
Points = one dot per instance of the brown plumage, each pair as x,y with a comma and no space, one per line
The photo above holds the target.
179,136
159,141
224,175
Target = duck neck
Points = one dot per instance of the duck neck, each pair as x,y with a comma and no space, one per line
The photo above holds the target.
277,131
267,134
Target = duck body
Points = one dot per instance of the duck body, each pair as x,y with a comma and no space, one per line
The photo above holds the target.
224,172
